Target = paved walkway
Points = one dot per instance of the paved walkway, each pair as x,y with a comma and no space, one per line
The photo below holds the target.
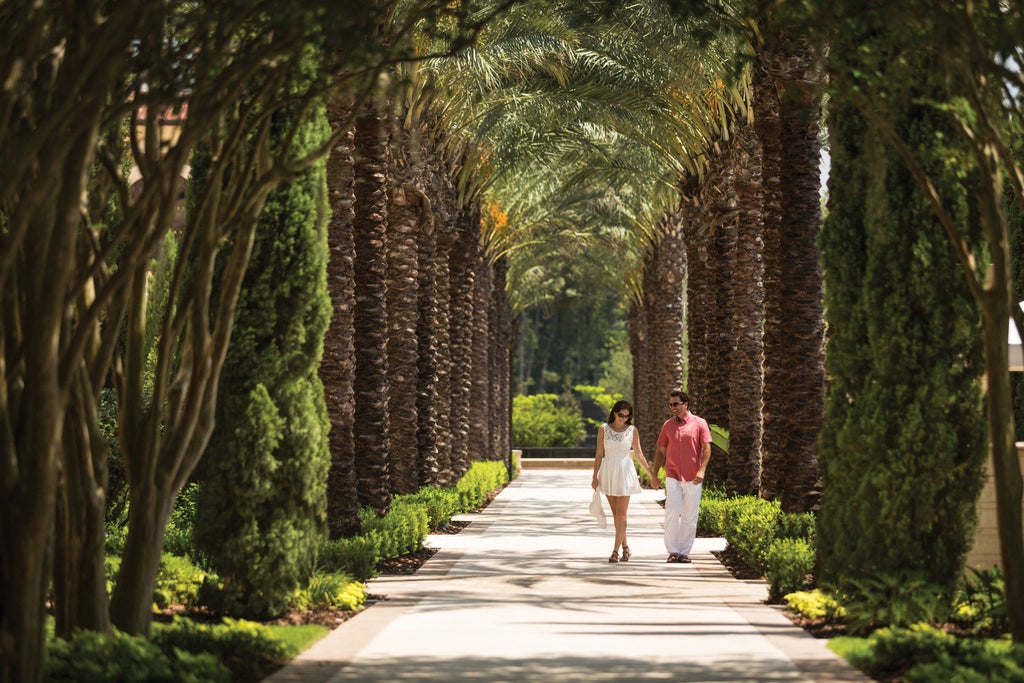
526,593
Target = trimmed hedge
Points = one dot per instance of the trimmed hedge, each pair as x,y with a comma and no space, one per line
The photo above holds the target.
406,525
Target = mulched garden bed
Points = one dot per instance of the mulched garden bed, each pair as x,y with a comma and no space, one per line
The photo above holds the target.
404,565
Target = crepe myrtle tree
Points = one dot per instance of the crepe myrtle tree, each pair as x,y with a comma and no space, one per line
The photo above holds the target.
76,246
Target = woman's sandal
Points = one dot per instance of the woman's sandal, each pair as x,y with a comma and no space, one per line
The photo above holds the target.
614,557
626,554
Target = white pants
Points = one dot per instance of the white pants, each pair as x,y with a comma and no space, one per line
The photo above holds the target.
682,503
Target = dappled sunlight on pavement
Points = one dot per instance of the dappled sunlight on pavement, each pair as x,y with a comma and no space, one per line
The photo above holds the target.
526,592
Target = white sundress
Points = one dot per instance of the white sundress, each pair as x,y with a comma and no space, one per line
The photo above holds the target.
617,476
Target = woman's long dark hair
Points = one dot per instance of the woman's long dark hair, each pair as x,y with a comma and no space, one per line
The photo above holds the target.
619,405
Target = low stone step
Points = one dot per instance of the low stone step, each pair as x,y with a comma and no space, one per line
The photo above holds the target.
557,463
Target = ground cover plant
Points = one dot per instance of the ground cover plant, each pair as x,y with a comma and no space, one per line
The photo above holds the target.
895,627
195,638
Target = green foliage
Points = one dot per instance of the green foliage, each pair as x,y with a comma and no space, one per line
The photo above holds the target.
719,437
750,524
779,545
117,481
899,599
111,565
546,420
815,604
178,538
979,605
357,556
709,519
404,528
925,654
617,370
246,648
904,440
177,582
330,590
91,657
788,566
857,651
557,336
795,525
262,502
117,533
439,503
600,396
478,482
298,638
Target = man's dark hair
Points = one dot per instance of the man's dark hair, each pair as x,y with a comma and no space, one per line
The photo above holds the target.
681,395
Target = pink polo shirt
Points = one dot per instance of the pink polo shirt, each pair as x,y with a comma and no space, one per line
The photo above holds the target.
683,442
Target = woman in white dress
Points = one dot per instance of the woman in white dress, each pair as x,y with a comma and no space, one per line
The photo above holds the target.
614,473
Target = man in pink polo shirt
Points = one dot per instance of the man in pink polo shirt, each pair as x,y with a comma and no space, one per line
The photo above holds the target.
684,448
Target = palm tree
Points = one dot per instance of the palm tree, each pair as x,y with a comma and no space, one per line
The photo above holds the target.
747,309
404,224
427,360
370,430
501,338
730,200
462,267
788,95
586,122
337,369
442,191
664,276
482,377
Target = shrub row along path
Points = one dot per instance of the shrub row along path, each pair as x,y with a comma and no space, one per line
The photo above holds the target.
526,593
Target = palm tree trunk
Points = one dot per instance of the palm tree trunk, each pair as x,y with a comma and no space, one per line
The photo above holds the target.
403,307
463,260
713,405
788,92
427,360
746,371
664,274
444,230
337,369
648,416
501,341
481,379
701,301
370,430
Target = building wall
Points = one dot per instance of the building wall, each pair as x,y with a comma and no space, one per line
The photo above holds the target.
984,554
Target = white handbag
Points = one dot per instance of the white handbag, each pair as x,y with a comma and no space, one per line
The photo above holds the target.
597,510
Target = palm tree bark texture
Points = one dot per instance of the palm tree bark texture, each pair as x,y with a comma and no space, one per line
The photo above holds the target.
337,369
443,191
463,261
743,229
663,276
481,377
370,428
403,305
788,89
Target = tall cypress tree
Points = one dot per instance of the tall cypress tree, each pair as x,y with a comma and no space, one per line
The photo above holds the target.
262,502
905,438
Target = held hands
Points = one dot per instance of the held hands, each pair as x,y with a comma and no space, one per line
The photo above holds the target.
655,484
